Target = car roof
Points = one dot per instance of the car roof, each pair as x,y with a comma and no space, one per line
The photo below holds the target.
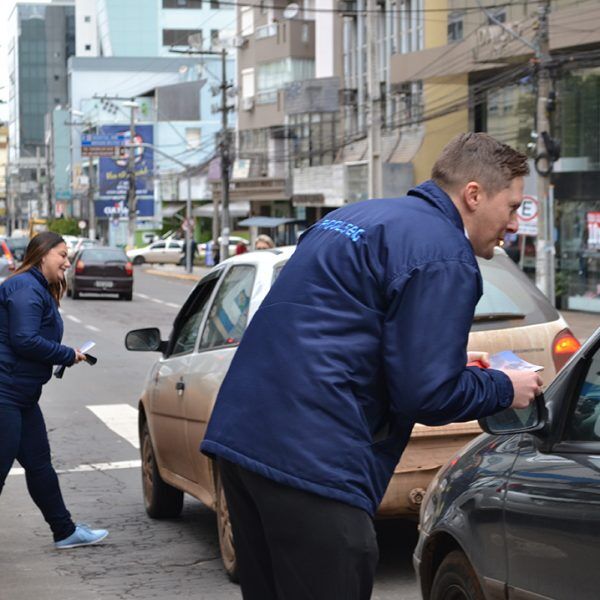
266,257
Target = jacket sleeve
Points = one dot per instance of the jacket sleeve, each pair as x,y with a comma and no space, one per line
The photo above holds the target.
25,311
426,330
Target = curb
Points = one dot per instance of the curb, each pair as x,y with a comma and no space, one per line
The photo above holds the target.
188,276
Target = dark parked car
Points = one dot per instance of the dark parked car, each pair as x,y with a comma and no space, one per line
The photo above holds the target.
100,270
17,246
517,514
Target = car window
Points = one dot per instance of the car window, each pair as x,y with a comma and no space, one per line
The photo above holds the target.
158,246
584,424
188,324
174,244
228,314
104,255
277,270
509,299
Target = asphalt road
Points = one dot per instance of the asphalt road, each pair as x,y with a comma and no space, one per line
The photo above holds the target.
142,558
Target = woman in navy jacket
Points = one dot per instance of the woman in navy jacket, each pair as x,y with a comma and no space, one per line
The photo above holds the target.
31,330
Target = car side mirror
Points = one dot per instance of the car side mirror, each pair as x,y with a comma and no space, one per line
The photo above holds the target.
145,340
520,420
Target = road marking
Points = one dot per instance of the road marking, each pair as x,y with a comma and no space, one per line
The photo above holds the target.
157,301
91,328
172,304
86,468
121,418
142,296
74,319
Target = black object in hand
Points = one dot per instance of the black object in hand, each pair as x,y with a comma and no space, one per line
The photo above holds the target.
90,360
60,370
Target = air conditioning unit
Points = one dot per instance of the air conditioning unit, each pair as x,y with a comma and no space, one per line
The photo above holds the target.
239,41
248,103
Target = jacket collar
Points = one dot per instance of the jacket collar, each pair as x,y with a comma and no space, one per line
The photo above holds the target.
435,195
37,274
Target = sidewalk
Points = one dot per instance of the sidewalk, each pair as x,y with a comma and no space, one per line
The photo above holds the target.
177,271
582,324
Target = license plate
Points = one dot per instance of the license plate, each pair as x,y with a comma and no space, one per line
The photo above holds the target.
104,284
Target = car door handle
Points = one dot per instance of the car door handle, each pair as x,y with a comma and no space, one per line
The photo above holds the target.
180,387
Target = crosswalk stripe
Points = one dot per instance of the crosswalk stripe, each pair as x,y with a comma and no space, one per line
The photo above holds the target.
91,328
86,468
74,319
121,418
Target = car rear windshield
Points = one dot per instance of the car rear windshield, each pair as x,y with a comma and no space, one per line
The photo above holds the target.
96,255
509,298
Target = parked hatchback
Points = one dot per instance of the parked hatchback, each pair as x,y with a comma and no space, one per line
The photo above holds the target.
181,388
516,515
100,270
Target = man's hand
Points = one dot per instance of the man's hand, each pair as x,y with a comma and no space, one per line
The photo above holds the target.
527,385
482,357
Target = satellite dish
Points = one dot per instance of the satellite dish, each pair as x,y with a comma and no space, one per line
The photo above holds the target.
291,10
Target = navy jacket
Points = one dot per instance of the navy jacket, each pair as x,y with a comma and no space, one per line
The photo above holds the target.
363,334
31,329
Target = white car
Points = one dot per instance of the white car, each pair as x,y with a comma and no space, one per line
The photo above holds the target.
162,251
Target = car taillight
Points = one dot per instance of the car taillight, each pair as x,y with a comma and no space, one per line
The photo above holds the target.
129,269
79,267
565,344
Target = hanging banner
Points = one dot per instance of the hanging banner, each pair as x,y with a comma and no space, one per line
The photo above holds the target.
113,172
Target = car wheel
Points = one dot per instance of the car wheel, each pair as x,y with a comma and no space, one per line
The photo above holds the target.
74,293
456,580
161,500
69,291
225,532
127,296
139,260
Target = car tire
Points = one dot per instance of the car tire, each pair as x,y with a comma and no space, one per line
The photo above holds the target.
225,531
139,260
74,294
161,500
455,579
127,296
69,293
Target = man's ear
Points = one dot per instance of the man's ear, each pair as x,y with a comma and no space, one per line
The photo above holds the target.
472,196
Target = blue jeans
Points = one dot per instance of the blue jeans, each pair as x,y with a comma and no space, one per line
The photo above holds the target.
23,437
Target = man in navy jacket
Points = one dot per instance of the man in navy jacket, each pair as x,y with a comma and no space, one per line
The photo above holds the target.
363,334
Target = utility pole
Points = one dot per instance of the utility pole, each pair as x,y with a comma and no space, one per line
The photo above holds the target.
225,154
545,251
131,195
374,102
91,203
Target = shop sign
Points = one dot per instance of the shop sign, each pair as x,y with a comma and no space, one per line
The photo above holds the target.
593,227
528,216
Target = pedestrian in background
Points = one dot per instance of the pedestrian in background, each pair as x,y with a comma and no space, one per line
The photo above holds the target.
363,334
264,242
31,330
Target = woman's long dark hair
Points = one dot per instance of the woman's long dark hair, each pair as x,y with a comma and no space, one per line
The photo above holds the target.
37,248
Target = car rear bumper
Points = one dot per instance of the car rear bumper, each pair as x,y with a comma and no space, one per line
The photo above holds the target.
103,285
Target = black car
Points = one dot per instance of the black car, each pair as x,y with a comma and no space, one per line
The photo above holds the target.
100,270
516,514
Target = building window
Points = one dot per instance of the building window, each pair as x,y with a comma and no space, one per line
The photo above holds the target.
246,20
214,37
313,138
179,37
193,136
455,27
499,15
272,76
56,77
88,46
87,19
248,83
182,4
215,4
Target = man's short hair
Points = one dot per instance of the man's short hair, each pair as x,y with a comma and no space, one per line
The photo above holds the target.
481,158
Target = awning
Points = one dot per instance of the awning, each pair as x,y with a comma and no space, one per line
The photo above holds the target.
268,222
236,210
170,210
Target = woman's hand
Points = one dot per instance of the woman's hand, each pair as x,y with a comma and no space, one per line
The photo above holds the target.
79,356
482,357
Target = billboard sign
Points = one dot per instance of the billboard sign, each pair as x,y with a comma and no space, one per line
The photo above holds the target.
102,145
116,209
113,172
